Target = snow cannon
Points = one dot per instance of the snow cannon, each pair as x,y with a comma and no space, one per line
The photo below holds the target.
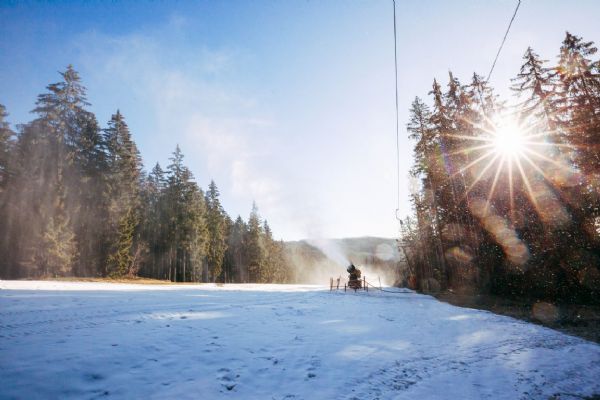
354,274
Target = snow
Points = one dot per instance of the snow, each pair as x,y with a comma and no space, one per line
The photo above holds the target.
95,340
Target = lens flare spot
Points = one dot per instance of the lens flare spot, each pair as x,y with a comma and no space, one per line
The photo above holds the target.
545,312
458,255
503,233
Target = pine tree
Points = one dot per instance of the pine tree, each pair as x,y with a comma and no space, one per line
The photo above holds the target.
254,246
216,224
7,169
92,191
175,213
56,253
580,101
235,253
120,261
537,84
123,190
154,224
186,226
6,144
198,233
281,262
124,162
64,108
269,264
275,265
447,196
428,170
48,180
578,106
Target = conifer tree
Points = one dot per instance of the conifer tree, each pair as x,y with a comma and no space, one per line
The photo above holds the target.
197,242
429,171
124,166
275,265
580,100
482,97
235,253
6,144
254,246
186,216
48,179
55,254
537,84
120,260
64,109
7,168
216,224
91,191
269,264
154,224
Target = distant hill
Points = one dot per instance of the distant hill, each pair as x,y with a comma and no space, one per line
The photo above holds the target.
317,260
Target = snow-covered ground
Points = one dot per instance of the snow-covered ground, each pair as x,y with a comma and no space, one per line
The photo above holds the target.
61,340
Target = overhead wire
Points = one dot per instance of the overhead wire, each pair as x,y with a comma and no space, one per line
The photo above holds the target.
397,119
503,40
397,107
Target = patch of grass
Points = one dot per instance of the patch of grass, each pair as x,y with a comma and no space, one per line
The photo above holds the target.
137,280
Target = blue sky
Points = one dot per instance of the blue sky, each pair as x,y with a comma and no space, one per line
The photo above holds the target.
289,103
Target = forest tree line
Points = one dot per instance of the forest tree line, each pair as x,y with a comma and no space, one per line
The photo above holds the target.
522,224
75,201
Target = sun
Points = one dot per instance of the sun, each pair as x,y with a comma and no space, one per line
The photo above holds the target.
507,148
509,140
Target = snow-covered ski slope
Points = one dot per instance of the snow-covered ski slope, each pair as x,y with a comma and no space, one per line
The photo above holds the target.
66,340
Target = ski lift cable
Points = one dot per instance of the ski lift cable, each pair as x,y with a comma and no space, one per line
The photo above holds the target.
503,40
397,108
397,120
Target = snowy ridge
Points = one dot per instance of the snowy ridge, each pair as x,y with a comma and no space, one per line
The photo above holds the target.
95,340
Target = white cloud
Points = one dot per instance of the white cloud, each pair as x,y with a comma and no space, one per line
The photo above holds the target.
221,131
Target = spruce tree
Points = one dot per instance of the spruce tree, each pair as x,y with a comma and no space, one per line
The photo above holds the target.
429,171
537,85
123,191
254,246
185,213
216,224
154,224
48,177
56,252
7,168
579,102
235,253
269,264
64,108
6,144
92,194
198,237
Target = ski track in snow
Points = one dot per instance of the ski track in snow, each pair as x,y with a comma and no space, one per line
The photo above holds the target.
67,340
